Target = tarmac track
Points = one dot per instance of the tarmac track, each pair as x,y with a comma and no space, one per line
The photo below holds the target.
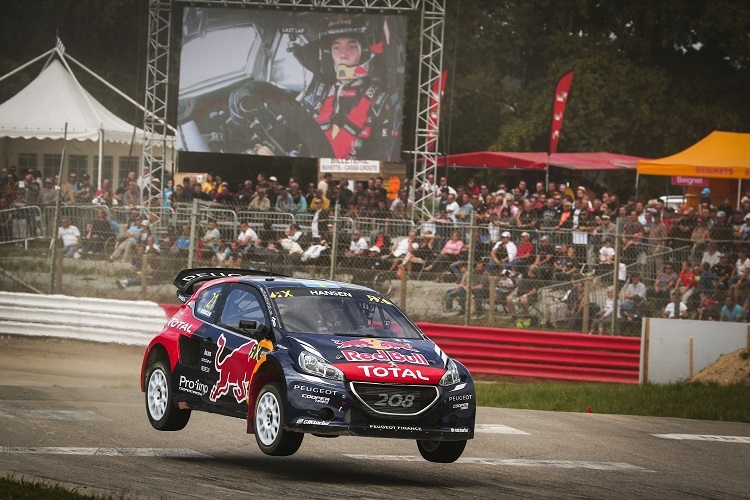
71,413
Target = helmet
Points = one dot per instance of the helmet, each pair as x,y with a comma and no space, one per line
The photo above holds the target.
352,26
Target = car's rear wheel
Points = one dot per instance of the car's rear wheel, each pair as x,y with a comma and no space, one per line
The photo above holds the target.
443,452
270,434
161,411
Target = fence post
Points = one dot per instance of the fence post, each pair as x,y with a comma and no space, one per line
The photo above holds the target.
58,276
616,280
491,301
334,241
586,305
470,271
144,277
193,236
404,285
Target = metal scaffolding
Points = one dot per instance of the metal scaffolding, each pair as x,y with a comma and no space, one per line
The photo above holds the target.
430,67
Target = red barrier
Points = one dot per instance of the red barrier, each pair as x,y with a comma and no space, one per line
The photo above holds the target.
539,354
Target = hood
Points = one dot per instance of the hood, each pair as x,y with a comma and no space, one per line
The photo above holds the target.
362,359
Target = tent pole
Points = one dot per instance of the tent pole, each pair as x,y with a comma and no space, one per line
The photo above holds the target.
637,178
118,91
56,220
739,192
99,166
25,65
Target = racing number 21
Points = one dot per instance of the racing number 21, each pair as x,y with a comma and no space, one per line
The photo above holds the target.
395,400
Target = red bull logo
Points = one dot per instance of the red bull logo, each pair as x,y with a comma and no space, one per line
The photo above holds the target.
385,356
377,344
233,370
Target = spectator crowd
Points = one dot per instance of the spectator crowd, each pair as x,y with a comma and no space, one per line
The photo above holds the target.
684,262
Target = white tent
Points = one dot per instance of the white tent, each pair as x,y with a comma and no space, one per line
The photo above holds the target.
32,124
54,98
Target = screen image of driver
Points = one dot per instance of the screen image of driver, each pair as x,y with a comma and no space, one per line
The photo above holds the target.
353,111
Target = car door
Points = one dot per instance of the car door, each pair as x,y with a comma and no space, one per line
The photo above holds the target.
235,352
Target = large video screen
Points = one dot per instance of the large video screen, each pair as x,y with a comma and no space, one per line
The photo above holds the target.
303,84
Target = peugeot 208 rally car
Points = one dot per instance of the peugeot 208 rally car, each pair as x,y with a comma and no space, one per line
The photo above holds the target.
297,356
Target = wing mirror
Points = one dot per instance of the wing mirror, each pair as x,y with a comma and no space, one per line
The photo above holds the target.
256,330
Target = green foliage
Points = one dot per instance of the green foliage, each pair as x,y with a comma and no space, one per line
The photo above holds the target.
650,79
23,489
695,401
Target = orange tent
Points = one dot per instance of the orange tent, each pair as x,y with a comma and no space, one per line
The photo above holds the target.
721,155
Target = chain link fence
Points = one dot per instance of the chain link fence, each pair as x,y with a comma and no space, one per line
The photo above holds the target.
564,285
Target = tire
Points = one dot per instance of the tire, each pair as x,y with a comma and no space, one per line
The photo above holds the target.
382,283
444,452
270,434
161,411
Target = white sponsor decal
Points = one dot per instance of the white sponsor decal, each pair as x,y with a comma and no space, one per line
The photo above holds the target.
192,386
462,430
705,437
394,428
307,421
458,387
317,399
317,390
333,293
464,397
415,359
517,462
461,406
393,371
180,325
212,275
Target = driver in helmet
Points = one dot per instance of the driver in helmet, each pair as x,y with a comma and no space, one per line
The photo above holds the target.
346,98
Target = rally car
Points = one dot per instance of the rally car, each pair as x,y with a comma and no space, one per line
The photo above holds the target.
296,356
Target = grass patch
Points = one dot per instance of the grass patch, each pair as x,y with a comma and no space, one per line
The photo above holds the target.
23,489
694,401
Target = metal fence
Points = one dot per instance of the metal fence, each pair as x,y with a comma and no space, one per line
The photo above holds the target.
422,281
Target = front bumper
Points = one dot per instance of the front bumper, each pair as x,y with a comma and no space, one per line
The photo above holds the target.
331,408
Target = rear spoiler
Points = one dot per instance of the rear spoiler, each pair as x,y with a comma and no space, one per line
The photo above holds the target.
187,279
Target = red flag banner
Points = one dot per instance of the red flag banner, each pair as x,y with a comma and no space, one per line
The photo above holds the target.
558,109
436,95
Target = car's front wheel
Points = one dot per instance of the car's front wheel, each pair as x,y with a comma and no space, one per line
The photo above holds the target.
162,414
443,452
270,434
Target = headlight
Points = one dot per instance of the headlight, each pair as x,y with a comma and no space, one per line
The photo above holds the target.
451,375
316,365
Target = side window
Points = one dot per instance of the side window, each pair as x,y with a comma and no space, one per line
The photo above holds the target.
205,305
242,303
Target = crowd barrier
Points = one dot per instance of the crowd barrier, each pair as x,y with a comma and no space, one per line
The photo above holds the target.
97,320
538,354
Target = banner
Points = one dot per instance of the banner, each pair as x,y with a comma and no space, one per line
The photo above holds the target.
433,119
558,109
348,166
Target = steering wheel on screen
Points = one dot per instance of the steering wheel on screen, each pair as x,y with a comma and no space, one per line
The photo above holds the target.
263,114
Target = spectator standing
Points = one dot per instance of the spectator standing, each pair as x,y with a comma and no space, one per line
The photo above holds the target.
503,252
740,277
635,288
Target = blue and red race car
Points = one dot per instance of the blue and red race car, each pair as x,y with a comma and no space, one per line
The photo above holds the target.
297,356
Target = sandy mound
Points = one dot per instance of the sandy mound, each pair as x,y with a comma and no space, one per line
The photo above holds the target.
732,368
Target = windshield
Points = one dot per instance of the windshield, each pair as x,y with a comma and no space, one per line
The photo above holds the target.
341,312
